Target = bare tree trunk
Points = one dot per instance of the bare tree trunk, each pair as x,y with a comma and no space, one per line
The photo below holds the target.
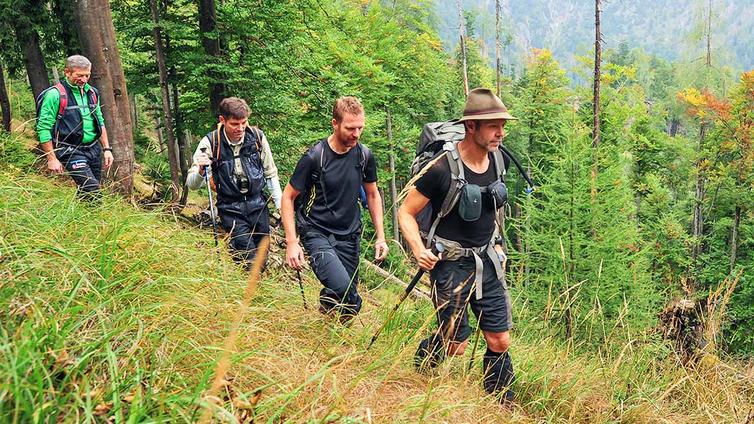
65,10
95,27
462,31
708,61
33,59
596,99
175,169
158,127
4,100
393,189
734,237
211,45
674,124
697,229
55,75
497,46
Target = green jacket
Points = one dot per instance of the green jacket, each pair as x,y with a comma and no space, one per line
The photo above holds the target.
48,113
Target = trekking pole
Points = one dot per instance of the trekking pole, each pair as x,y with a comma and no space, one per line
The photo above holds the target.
301,285
437,249
476,343
211,203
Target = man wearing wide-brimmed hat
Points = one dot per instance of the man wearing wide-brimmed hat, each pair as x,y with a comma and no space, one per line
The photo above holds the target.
471,270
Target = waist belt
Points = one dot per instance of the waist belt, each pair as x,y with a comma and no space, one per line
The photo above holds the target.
59,144
454,251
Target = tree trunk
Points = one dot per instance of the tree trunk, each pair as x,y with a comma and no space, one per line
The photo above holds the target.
180,130
175,169
596,99
33,59
4,100
55,75
698,219
393,189
734,237
674,124
497,46
158,127
95,27
65,10
211,45
462,31
708,61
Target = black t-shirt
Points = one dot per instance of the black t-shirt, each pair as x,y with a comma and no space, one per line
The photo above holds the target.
335,211
434,185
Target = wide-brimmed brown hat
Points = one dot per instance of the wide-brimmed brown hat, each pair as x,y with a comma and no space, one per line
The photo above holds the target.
483,104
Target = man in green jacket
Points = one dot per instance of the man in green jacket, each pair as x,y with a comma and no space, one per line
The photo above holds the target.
69,136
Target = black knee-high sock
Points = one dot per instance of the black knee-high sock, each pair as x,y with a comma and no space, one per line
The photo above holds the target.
498,373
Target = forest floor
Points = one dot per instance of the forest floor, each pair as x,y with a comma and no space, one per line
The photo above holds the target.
113,313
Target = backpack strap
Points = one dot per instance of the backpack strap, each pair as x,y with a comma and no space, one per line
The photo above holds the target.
63,103
95,98
258,134
457,181
216,142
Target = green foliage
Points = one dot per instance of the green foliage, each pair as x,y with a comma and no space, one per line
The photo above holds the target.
13,153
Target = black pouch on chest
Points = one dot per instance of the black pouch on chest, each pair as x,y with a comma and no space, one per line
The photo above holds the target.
470,202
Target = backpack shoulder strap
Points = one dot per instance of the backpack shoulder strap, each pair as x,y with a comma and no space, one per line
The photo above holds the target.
95,96
215,140
457,178
63,104
457,181
364,154
258,136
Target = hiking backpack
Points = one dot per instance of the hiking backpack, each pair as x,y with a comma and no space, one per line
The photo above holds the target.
440,139
62,104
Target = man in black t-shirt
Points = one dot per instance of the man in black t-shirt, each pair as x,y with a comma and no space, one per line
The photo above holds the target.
471,270
328,179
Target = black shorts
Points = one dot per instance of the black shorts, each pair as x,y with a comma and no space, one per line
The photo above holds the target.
452,290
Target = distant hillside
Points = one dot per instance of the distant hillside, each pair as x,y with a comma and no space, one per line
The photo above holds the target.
672,29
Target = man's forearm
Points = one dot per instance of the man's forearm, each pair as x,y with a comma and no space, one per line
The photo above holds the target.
410,231
103,139
375,210
48,149
289,221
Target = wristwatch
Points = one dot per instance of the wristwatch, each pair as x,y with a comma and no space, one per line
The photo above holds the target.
107,149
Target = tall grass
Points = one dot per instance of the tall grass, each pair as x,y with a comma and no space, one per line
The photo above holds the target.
112,313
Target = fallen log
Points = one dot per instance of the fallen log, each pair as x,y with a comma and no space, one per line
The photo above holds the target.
420,293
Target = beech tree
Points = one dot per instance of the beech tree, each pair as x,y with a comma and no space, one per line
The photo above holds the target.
97,35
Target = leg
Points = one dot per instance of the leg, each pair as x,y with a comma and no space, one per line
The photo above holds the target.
260,228
331,272
451,288
241,241
348,253
495,322
81,167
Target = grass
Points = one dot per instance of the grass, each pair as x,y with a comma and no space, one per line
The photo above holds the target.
110,313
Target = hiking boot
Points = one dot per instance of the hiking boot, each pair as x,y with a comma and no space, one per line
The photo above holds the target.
499,376
430,354
342,317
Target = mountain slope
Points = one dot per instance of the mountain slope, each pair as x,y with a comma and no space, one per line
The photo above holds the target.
111,311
